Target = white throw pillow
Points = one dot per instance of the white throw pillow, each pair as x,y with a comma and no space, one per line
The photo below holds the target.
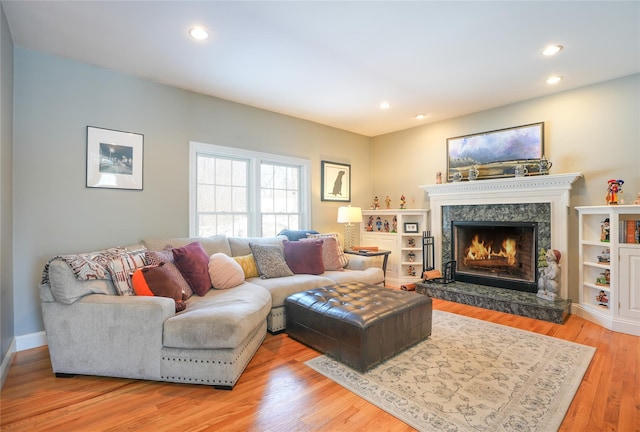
224,271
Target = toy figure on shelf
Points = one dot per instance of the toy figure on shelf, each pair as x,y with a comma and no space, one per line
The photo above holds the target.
411,242
549,276
369,226
637,201
394,225
605,256
386,225
411,271
604,230
379,223
602,299
387,200
376,203
614,190
604,279
403,201
411,256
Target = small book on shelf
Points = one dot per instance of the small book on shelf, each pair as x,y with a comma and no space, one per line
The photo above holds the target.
365,248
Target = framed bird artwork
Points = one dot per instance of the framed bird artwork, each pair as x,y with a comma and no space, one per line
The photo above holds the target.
336,181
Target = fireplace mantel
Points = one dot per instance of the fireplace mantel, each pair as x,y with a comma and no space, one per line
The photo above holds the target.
553,189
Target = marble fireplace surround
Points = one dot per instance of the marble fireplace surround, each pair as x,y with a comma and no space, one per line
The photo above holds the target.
515,193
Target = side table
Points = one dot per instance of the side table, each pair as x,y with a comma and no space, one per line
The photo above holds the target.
368,253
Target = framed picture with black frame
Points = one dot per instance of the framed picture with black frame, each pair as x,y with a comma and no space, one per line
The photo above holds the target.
335,181
411,227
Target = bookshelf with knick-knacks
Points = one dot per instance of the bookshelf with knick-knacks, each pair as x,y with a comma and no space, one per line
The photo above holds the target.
399,231
609,266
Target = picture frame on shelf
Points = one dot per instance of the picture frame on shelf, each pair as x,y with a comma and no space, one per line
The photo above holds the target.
495,154
114,159
411,227
335,181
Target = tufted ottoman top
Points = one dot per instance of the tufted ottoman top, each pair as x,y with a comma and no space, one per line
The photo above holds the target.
357,323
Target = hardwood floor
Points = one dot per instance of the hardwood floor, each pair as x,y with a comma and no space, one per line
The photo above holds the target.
278,392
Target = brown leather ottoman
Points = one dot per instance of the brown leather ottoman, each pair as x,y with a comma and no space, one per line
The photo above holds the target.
358,324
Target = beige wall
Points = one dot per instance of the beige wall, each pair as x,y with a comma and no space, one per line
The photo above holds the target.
594,130
54,213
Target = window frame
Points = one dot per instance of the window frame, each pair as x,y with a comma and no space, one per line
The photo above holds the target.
254,159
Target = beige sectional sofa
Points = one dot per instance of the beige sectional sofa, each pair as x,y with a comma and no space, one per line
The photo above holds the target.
92,330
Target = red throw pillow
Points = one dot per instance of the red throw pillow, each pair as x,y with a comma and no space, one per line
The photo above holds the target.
157,280
304,257
193,263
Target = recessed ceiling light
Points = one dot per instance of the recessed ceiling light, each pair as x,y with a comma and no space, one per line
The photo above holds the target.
552,50
384,105
199,33
554,79
421,116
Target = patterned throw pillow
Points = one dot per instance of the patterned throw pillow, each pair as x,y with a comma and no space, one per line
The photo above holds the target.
122,266
248,264
166,256
224,271
338,249
331,253
193,263
270,261
304,257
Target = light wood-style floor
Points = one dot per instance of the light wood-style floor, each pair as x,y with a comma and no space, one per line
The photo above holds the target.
278,392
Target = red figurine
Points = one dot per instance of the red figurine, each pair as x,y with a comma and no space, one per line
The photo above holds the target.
613,190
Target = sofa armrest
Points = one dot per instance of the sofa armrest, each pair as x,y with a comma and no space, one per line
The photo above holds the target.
107,335
361,262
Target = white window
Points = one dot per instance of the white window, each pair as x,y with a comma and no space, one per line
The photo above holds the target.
245,193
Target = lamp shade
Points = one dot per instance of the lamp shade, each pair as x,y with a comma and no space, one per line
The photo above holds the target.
349,214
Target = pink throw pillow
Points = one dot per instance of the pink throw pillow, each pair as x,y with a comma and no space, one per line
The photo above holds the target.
193,263
224,271
304,257
331,253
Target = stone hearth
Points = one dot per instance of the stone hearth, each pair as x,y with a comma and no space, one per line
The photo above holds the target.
498,299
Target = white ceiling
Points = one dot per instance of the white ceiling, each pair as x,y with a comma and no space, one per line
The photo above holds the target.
333,62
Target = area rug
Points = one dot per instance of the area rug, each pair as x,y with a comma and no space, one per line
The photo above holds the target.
472,375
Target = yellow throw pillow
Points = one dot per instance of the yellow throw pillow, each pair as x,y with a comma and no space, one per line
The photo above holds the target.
248,265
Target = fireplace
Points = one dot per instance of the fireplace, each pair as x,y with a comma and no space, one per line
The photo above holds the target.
499,254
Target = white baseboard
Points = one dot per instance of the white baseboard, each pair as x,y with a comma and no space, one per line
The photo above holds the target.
6,362
31,340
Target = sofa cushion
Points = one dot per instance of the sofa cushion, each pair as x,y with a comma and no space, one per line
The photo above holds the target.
304,257
193,263
211,245
295,235
248,264
371,275
121,268
341,256
270,261
66,288
158,280
224,271
281,288
240,245
331,252
221,319
166,256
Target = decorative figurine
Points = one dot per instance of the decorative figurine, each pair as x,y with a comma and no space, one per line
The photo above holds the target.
369,226
376,203
379,223
387,200
614,189
605,257
411,271
545,166
411,242
521,170
473,173
602,299
386,225
411,256
549,276
457,176
439,178
637,201
604,230
604,279
394,224
403,201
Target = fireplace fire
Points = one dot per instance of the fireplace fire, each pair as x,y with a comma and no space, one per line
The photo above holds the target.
500,254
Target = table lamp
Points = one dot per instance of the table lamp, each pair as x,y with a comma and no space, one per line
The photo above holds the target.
348,216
